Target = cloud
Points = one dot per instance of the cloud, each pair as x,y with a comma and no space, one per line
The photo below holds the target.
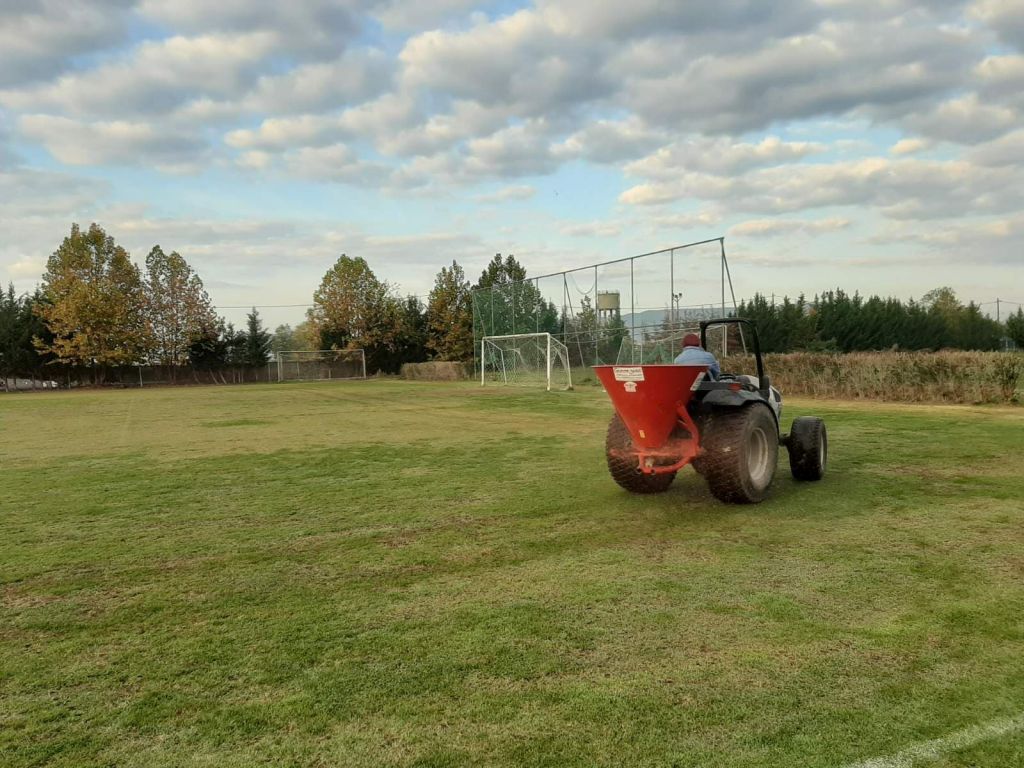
719,155
1007,150
521,192
1005,17
519,61
38,39
909,146
611,141
777,227
346,80
120,142
337,162
899,188
879,67
156,78
591,229
303,29
966,119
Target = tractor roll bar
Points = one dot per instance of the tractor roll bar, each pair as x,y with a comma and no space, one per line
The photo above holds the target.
764,384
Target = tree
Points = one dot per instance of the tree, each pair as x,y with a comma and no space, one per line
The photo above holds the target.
307,336
411,334
11,307
283,339
353,309
178,306
1015,327
257,341
450,315
94,304
504,301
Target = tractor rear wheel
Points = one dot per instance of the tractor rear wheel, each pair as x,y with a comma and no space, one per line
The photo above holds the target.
808,448
741,452
625,467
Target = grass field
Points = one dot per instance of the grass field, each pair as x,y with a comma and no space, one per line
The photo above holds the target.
411,574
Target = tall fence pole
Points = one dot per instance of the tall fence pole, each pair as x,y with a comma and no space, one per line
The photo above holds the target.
632,304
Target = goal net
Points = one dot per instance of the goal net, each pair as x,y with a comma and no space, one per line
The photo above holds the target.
321,364
536,359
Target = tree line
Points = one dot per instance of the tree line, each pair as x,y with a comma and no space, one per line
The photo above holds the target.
841,322
96,311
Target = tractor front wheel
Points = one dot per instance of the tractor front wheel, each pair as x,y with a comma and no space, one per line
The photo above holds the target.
741,452
624,465
808,448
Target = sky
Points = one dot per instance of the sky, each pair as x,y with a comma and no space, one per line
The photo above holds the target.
877,146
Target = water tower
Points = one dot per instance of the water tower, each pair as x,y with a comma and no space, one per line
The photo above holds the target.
607,304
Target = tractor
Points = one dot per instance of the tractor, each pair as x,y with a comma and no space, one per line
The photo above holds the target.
729,429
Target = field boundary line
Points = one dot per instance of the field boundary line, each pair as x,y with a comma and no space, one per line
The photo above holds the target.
936,748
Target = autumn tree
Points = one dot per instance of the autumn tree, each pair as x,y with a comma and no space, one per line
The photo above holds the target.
94,303
450,315
178,306
257,340
352,309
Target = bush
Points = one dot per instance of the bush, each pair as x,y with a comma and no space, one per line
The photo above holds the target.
949,376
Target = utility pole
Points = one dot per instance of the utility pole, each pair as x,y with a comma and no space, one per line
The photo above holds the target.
997,311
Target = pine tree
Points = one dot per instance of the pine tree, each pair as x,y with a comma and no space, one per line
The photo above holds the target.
1015,327
256,341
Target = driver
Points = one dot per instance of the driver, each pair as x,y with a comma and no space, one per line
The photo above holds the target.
694,354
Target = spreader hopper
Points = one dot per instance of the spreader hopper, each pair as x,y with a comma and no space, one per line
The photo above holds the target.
651,402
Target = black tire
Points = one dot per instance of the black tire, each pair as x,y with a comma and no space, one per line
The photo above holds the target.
625,470
741,453
808,448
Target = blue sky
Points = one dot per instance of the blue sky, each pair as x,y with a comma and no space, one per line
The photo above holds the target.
876,146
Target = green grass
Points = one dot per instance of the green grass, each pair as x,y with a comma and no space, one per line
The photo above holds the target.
408,574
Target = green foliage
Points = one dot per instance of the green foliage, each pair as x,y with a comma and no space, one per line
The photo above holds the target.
256,344
449,316
1015,327
837,321
178,307
354,310
506,302
285,339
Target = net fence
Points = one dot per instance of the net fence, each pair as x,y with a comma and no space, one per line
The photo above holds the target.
635,309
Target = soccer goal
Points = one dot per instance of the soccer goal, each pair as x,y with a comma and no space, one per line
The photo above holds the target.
321,364
536,359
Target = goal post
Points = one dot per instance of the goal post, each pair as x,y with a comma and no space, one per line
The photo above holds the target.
530,359
321,364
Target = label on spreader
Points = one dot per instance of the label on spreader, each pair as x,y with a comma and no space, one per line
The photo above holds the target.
629,373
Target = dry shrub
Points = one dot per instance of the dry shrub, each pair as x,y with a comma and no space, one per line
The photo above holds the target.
949,376
435,371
